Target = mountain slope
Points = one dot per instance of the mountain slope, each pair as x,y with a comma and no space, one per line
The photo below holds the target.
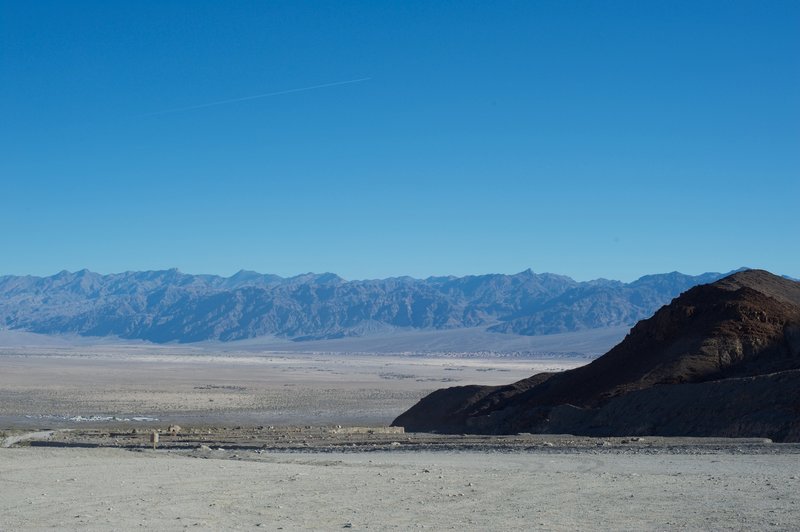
727,343
165,306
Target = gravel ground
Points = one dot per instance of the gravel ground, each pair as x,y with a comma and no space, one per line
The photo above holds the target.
102,489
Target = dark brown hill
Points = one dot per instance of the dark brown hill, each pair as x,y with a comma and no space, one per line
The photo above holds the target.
724,345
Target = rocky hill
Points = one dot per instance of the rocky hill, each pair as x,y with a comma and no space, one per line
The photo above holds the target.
167,306
722,359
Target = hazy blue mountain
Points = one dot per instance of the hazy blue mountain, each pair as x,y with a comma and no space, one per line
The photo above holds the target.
167,306
601,303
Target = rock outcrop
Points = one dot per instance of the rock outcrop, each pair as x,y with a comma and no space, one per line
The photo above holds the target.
722,359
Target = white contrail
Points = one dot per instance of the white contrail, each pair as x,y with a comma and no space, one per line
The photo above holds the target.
232,100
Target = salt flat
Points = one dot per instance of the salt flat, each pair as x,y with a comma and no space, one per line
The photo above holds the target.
55,380
101,489
53,388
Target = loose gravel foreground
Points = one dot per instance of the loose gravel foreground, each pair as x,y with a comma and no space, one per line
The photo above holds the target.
104,488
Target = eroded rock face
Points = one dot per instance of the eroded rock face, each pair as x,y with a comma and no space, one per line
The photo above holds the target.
722,359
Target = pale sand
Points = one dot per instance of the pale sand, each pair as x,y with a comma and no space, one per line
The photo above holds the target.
104,489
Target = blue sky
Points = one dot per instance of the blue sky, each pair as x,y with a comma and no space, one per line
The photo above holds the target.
593,139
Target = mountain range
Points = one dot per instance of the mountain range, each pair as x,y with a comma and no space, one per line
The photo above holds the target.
171,306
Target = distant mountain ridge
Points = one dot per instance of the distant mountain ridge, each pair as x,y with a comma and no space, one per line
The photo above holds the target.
171,306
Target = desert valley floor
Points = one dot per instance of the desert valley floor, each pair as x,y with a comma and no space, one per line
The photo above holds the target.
58,389
272,441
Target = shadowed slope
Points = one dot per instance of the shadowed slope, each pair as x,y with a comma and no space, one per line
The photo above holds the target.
745,325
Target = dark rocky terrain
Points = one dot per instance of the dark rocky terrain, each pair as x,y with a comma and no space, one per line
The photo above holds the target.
215,440
722,359
170,306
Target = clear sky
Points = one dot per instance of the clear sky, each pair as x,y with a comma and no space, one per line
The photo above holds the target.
594,139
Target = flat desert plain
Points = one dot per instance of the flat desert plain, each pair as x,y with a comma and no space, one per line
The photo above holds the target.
270,441
57,388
